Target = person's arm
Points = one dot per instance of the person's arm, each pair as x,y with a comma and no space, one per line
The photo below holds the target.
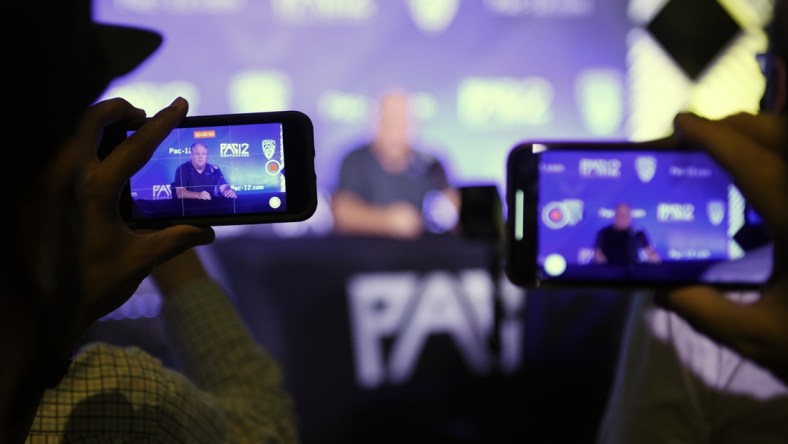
752,148
651,254
440,181
352,215
180,184
213,345
114,258
224,188
227,191
599,255
654,395
183,193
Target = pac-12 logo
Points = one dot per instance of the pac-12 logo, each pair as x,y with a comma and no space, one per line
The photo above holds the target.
161,192
599,167
646,167
435,16
675,212
394,315
234,150
269,147
715,209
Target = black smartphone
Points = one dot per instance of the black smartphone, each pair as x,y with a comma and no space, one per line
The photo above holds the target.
223,170
621,214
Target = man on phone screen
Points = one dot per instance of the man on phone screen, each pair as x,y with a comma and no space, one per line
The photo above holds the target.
198,179
620,243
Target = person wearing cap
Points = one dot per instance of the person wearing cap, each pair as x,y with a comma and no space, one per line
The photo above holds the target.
69,259
697,364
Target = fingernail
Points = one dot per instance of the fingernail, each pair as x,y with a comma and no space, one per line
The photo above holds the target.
207,236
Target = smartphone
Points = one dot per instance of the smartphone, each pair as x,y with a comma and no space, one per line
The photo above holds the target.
223,170
621,214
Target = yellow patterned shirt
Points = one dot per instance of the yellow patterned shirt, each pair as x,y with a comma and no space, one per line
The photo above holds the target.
233,392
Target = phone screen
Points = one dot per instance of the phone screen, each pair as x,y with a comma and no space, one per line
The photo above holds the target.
617,214
203,162
222,170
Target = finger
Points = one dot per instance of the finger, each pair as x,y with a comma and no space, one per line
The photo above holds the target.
103,114
135,151
170,242
665,143
760,173
707,310
731,141
765,129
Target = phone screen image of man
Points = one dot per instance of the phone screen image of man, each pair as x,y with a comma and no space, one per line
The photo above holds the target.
201,171
634,214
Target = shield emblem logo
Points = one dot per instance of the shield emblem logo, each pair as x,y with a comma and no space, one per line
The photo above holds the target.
715,209
433,17
646,167
575,207
269,146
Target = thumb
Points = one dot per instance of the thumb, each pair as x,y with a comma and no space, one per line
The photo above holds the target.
707,310
172,241
746,328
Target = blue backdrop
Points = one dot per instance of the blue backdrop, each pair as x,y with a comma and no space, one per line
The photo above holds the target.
681,201
485,74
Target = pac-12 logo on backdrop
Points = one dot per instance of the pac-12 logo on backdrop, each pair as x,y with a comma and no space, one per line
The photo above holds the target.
272,167
716,211
646,167
394,315
161,192
269,147
234,150
434,16
675,212
602,168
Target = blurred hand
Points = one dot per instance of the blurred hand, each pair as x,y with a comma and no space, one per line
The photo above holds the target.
204,195
116,259
652,256
403,221
228,192
752,148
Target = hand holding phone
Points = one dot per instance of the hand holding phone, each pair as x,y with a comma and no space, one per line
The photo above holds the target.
753,148
113,259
